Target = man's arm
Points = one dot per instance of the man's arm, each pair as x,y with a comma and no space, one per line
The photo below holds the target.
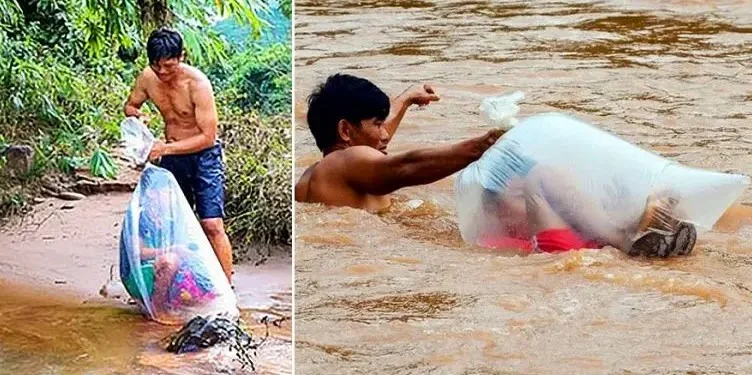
421,95
136,99
206,119
369,171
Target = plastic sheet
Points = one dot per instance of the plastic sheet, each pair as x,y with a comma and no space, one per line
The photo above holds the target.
553,165
499,111
137,138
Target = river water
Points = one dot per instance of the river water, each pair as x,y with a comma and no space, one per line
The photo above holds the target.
45,332
399,292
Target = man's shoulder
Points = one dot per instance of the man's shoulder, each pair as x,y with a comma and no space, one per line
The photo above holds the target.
147,76
196,75
345,158
348,158
355,153
302,186
342,163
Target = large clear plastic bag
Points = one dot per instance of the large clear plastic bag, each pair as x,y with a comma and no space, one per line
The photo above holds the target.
580,163
167,264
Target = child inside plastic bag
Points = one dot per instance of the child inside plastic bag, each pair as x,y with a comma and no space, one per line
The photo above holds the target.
556,183
544,209
165,265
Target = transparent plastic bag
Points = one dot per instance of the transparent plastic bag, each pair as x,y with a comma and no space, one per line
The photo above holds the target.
597,183
167,264
137,139
499,111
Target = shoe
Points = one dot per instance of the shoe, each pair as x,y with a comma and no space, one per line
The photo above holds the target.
657,243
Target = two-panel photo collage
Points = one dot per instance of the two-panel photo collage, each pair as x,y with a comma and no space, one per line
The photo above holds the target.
375,187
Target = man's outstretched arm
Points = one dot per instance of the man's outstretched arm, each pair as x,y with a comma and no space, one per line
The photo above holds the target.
369,171
206,119
421,95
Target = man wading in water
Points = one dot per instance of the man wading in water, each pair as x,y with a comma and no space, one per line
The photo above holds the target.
352,122
185,99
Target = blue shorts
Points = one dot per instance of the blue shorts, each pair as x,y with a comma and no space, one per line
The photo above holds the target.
201,176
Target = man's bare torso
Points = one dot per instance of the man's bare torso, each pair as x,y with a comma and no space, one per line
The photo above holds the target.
323,183
175,101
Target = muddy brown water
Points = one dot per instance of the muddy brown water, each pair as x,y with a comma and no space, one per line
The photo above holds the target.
45,332
400,293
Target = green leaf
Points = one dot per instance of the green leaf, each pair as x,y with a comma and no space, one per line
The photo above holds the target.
102,164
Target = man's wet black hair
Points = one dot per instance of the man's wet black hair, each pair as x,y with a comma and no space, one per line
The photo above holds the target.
163,43
347,97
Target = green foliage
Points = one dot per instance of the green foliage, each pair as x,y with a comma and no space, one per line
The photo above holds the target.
102,165
12,202
54,90
204,46
286,7
261,79
69,111
60,78
259,178
3,147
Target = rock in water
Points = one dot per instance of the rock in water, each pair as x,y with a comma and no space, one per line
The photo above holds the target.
19,159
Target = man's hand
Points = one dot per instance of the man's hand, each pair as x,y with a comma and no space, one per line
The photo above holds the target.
422,95
143,117
489,139
157,151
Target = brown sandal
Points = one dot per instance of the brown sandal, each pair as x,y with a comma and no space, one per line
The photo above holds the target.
655,243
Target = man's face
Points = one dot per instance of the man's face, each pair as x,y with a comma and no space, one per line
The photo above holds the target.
166,69
371,132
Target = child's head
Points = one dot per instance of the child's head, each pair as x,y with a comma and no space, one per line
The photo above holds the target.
159,218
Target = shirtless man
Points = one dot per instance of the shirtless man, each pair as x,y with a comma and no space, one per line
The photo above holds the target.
185,99
352,121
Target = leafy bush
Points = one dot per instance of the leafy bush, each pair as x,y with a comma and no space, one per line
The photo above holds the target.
54,91
259,178
259,78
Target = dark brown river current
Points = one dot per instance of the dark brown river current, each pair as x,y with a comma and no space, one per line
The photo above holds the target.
399,292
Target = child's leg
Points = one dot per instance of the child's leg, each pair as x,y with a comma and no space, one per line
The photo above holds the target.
555,201
165,268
